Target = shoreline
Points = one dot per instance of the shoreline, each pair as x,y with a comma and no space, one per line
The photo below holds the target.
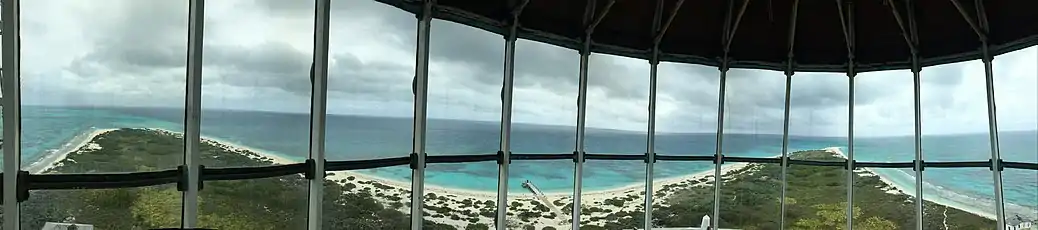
909,190
51,160
590,197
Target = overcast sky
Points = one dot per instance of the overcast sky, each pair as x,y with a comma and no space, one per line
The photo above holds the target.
257,55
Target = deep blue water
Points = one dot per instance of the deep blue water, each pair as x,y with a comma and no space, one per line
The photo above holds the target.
46,129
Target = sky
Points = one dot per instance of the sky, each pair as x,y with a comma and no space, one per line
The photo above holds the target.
257,54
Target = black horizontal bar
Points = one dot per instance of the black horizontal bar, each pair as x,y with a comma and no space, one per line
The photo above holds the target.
245,173
621,157
818,163
767,160
684,158
539,156
884,164
460,158
958,164
102,180
1020,165
366,164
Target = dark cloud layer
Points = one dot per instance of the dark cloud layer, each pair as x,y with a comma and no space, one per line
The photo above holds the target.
144,42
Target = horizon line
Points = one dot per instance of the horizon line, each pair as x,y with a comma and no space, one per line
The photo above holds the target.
641,132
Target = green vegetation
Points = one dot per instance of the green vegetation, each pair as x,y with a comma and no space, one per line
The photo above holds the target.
815,200
269,203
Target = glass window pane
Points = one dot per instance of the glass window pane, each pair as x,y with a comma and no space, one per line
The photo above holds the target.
119,151
617,119
544,115
87,72
370,114
255,93
91,74
751,193
686,125
955,128
1016,97
884,129
465,78
816,195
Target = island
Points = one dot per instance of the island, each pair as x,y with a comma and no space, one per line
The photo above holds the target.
751,196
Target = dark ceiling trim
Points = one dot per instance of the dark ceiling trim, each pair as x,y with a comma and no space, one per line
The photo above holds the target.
455,15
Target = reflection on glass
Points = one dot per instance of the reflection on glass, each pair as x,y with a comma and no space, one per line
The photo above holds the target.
544,118
87,73
126,208
464,119
370,114
815,195
617,118
884,128
1016,94
686,125
359,200
955,128
254,94
751,193
98,92
113,151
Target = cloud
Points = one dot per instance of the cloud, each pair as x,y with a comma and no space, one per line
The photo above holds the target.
257,55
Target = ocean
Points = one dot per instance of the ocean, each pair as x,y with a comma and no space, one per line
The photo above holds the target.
50,129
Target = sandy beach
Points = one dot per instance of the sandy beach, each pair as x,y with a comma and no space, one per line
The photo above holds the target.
524,205
51,160
895,188
389,191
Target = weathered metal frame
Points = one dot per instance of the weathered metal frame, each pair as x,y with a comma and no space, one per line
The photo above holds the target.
421,101
318,114
506,119
193,113
11,106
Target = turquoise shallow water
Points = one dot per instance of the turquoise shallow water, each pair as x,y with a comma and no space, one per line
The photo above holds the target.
48,129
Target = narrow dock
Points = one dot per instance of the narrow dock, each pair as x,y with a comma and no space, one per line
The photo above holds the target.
559,215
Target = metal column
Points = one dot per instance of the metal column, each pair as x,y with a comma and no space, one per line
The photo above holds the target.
989,79
578,169
192,113
650,142
785,146
650,138
318,109
726,42
850,145
718,155
785,119
918,145
11,111
847,22
506,120
421,87
996,157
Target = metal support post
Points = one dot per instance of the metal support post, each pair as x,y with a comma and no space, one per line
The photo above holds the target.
506,119
578,169
847,21
918,144
650,139
785,119
785,145
996,157
718,155
421,87
726,42
193,113
850,143
585,55
11,110
318,109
